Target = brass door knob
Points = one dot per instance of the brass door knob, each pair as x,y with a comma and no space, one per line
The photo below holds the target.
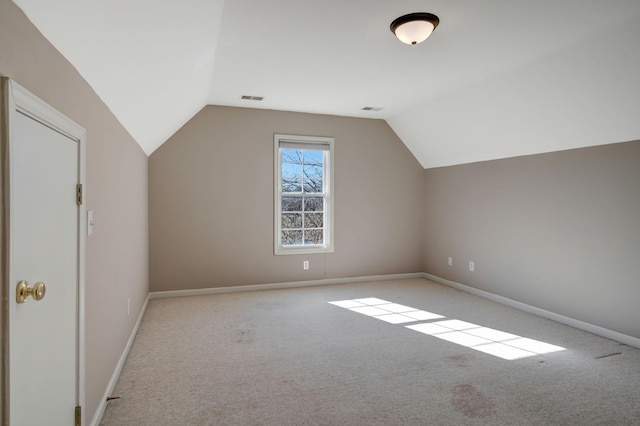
23,291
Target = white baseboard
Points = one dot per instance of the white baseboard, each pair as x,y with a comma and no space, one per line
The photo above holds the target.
275,286
600,331
97,417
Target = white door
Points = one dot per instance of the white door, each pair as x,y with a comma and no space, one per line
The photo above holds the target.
44,246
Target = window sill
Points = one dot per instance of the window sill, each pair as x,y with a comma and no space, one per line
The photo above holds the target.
302,250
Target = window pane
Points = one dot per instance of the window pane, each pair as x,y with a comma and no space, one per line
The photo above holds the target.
313,157
313,186
291,220
291,204
292,171
314,236
291,185
291,156
313,204
312,178
290,238
312,171
313,220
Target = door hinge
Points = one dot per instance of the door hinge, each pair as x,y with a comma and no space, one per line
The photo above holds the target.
79,194
78,416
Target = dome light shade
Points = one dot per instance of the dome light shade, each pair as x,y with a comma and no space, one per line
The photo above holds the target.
414,28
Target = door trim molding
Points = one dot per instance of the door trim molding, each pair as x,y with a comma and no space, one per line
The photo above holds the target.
17,100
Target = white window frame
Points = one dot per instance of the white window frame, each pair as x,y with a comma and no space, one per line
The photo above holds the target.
327,247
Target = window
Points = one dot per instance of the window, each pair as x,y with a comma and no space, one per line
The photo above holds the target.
303,194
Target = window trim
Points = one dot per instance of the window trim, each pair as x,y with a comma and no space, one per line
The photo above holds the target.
327,247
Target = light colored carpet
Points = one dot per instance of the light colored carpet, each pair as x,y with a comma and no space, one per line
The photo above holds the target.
288,357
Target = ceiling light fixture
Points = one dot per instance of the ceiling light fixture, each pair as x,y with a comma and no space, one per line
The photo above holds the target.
414,28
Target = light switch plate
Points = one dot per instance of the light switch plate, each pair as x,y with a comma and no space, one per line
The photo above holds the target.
89,222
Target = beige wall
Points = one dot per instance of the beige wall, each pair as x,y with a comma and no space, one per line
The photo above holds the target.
558,231
117,252
211,201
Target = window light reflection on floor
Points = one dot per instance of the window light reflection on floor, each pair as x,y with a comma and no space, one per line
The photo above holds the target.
493,342
386,311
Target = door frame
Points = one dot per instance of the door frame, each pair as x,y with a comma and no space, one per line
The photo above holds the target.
16,99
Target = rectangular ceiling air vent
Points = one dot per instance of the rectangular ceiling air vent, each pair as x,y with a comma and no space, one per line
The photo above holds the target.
252,98
368,108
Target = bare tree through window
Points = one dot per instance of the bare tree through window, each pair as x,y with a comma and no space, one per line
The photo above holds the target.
302,220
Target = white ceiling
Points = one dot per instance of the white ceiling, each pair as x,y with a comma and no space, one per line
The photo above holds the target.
498,78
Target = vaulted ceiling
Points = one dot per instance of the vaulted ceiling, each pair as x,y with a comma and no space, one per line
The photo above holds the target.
498,78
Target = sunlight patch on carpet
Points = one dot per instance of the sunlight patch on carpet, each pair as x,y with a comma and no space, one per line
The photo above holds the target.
393,313
487,340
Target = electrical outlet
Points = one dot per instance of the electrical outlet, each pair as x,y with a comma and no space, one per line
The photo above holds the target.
472,266
305,265
450,261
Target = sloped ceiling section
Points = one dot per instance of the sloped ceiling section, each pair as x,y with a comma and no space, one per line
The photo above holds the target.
498,78
150,61
583,94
